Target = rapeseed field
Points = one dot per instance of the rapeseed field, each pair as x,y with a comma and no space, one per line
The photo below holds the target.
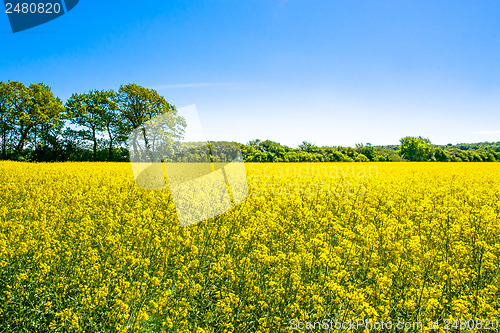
84,249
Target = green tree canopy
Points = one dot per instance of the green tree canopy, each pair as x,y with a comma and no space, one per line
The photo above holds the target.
34,109
415,148
94,112
138,106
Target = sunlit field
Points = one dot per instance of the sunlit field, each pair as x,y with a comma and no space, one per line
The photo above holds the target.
83,249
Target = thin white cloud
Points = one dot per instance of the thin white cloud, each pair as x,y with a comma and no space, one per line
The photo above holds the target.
487,132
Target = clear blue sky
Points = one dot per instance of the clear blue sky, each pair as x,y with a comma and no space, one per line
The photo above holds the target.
333,72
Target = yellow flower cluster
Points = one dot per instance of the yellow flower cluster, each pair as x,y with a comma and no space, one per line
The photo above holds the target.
83,249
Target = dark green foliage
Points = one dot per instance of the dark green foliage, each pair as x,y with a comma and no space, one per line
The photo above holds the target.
94,126
415,149
493,146
440,155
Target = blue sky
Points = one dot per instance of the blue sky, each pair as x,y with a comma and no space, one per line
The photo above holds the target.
329,72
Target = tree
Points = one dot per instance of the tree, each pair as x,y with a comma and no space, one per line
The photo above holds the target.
254,143
415,148
440,155
49,110
138,105
112,122
367,150
305,146
33,108
95,112
6,121
17,101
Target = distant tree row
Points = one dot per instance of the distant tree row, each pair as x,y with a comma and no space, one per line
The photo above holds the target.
421,149
494,146
35,125
269,151
410,149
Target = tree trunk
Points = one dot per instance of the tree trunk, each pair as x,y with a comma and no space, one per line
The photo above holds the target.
95,142
110,144
24,135
136,151
146,145
4,143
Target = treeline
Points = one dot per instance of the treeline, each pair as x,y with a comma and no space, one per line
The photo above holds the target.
37,126
494,146
269,151
410,149
421,149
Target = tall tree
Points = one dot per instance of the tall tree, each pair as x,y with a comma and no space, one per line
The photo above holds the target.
6,124
112,121
415,148
138,105
32,107
46,110
17,100
94,113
